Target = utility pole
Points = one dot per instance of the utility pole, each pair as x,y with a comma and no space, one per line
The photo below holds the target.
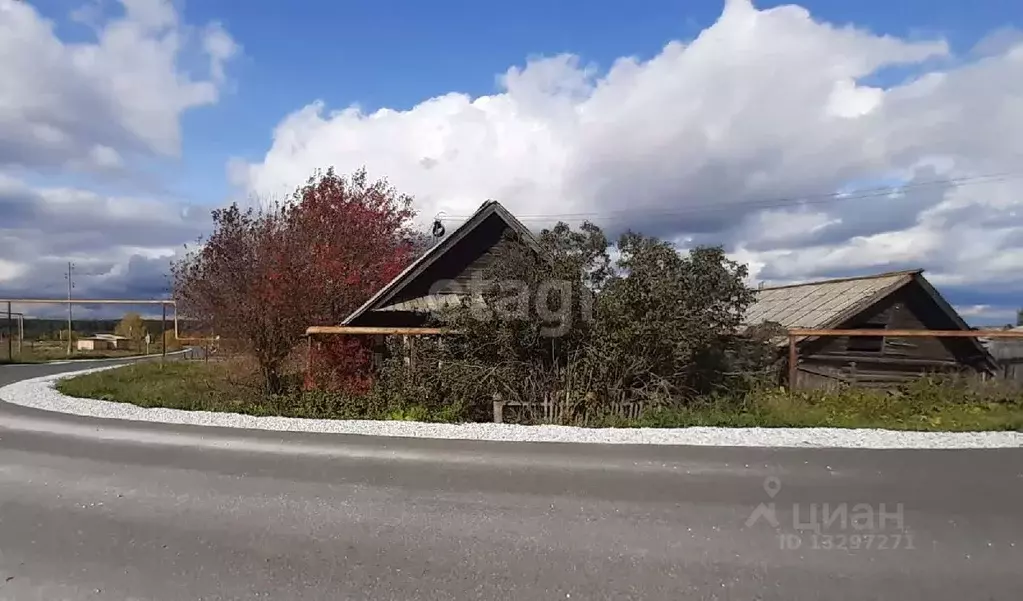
163,335
70,285
10,334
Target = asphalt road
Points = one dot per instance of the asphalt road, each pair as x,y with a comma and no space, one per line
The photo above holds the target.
98,509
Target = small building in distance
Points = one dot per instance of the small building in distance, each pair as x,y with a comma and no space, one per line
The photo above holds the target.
902,300
103,342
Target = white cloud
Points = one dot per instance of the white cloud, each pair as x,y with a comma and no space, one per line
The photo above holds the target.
10,270
97,106
84,105
44,228
764,104
988,314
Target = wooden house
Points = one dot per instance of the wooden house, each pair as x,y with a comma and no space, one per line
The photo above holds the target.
902,300
442,277
444,274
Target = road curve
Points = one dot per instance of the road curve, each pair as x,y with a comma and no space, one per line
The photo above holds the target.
102,509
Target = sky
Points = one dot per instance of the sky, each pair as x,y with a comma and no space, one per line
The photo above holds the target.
814,140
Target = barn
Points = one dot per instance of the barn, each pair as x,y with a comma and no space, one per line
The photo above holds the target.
901,300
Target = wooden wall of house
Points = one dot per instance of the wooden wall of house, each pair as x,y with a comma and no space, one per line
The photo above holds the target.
887,360
866,374
392,319
1011,369
1009,354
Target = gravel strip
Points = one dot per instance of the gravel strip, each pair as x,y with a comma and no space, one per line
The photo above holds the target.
41,394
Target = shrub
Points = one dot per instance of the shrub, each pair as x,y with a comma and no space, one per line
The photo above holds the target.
263,276
590,335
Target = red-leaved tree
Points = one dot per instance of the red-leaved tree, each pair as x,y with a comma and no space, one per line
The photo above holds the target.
262,277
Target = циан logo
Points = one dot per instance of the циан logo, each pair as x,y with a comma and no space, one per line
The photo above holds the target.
833,525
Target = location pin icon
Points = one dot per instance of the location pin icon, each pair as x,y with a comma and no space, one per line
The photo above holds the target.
771,486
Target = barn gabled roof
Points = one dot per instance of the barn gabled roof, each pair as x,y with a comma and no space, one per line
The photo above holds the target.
450,243
827,304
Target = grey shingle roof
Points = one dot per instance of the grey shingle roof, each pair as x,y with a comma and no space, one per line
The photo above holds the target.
822,304
827,304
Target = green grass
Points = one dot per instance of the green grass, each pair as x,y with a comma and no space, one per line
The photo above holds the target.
849,409
43,351
219,386
189,385
231,386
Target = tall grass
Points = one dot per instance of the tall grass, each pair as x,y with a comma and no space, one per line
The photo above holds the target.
929,404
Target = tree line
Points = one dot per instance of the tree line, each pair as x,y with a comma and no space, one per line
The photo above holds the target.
55,329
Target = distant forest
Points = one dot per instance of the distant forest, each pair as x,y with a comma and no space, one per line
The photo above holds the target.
50,329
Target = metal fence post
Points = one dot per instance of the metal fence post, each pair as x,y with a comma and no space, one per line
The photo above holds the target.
163,334
793,362
10,334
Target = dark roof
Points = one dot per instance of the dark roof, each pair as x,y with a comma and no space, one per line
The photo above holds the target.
393,288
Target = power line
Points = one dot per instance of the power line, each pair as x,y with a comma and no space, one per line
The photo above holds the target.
813,199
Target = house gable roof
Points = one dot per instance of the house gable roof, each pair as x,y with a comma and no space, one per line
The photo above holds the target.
824,304
827,304
488,209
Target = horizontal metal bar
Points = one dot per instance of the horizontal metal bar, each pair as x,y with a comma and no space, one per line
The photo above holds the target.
50,301
910,333
375,330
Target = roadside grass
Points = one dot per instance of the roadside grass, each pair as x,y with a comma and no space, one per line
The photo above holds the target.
226,386
51,350
846,409
232,385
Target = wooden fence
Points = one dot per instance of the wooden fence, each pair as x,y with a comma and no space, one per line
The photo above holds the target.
563,412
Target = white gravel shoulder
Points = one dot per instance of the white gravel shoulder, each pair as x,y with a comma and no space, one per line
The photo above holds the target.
41,394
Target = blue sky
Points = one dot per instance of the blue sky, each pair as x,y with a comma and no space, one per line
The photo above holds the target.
729,120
